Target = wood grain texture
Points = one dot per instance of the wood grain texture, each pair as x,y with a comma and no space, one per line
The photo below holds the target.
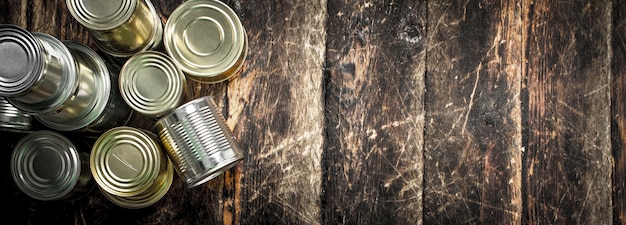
567,163
618,109
374,113
275,108
472,137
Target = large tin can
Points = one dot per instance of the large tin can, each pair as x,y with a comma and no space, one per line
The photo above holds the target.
206,40
130,167
198,141
37,71
120,28
13,119
87,108
152,84
47,166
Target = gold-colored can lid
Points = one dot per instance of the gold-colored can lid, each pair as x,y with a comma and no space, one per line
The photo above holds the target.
206,40
152,84
129,162
101,15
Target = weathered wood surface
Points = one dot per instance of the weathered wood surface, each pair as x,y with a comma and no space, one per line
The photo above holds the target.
395,112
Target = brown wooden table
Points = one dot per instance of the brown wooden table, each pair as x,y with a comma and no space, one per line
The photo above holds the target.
396,112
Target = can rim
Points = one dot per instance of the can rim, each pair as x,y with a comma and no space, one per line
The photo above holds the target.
24,156
34,60
223,54
14,119
148,104
97,21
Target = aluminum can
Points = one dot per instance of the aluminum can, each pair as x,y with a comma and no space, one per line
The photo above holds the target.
47,165
151,84
130,167
120,28
198,141
37,71
206,40
14,120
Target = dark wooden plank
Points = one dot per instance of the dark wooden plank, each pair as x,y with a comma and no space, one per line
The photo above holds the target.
618,109
567,163
472,137
275,110
375,66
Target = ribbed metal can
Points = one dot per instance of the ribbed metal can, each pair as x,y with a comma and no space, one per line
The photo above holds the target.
130,167
14,120
198,141
206,40
119,28
48,166
88,106
151,84
37,72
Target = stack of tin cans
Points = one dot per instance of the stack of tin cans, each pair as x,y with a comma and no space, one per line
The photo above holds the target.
72,91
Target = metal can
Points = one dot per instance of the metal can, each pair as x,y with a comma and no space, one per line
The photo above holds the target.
152,84
47,166
120,28
12,119
89,100
130,168
206,40
198,141
36,70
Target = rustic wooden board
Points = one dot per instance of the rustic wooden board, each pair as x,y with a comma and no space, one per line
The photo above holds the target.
618,109
374,112
567,163
472,137
276,111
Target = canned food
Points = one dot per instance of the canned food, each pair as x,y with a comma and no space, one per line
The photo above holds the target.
130,167
12,119
198,141
206,40
89,98
119,27
47,166
36,70
152,84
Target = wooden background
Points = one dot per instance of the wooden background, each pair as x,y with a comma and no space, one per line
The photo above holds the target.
396,112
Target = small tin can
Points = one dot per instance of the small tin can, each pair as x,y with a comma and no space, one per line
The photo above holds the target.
48,166
206,40
152,84
120,28
198,141
130,167
12,119
89,99
36,70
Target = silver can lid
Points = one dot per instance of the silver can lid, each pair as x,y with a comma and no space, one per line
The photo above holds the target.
206,40
152,84
46,165
13,119
21,61
101,15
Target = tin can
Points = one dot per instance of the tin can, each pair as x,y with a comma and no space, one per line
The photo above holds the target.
89,99
206,40
48,166
130,167
120,28
151,84
12,119
198,141
36,70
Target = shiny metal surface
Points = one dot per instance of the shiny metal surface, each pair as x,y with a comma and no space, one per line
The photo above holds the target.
206,40
12,119
198,141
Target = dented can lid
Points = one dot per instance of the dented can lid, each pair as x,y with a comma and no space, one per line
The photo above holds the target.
128,162
101,15
206,40
46,165
152,84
